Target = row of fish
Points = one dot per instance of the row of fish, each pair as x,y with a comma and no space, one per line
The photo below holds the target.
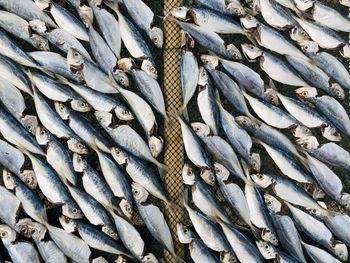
71,99
238,210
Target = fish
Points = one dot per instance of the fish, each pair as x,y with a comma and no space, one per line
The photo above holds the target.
245,76
318,232
19,251
275,15
328,107
11,158
53,90
64,18
83,128
94,238
319,255
14,132
244,249
20,28
330,153
327,62
268,251
209,233
72,246
337,223
202,196
198,251
28,10
53,188
239,139
211,41
287,232
153,218
309,117
30,201
220,149
10,206
88,72
144,18
109,27
209,19
316,77
276,68
58,37
195,151
324,15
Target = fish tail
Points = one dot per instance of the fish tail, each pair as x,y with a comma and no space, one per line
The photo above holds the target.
256,231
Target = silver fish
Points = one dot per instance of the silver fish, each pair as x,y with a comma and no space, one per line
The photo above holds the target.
319,255
318,232
11,158
337,223
202,196
276,15
329,107
276,68
9,207
196,153
72,246
153,218
64,18
12,99
220,149
20,28
198,251
19,251
30,201
27,9
268,251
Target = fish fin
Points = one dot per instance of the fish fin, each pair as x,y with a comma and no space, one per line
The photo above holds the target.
256,231
251,38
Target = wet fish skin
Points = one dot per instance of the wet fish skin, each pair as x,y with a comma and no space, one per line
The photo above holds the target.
319,255
268,251
337,223
275,15
9,207
11,158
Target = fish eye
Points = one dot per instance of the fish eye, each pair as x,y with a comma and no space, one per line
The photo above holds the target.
121,80
204,74
82,104
80,146
117,152
3,234
29,180
76,54
42,132
217,170
189,171
306,130
244,121
30,127
128,209
304,93
136,192
266,246
61,107
212,178
125,112
153,69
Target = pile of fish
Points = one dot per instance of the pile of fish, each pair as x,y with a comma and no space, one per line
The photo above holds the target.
77,79
265,167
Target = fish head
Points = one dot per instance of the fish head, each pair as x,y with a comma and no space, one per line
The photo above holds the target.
255,162
140,193
25,227
306,92
308,143
188,176
179,12
337,91
345,2
309,46
301,131
304,5
79,163
251,52
157,37
228,257
345,200
38,231
126,64
41,43
201,129
331,133
340,250
236,8
266,249
72,210
148,67
7,235
270,237
317,212
149,258
8,179
68,224
249,22
184,234
110,232
119,156
126,208
77,146
210,61
263,180
244,121
80,105
221,172
43,4
29,178
104,118
86,14
314,190
62,110
233,52
345,51
208,176
121,77
298,34
30,122
74,58
270,95
38,26
272,203
156,145
123,113
203,77
42,135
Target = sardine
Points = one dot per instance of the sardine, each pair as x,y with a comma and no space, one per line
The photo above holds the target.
269,251
12,99
9,207
276,15
337,223
319,255
11,158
